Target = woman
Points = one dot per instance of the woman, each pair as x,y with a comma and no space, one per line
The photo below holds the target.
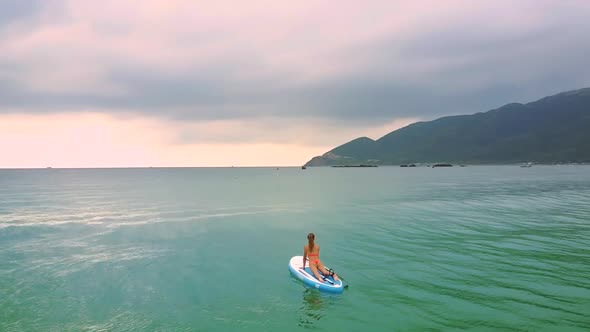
312,250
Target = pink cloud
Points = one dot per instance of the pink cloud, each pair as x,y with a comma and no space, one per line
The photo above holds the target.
99,140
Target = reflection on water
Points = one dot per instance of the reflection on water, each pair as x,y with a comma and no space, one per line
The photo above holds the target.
312,308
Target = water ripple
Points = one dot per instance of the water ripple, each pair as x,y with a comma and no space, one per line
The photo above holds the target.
490,248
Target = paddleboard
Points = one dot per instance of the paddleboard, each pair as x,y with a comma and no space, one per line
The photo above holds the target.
330,285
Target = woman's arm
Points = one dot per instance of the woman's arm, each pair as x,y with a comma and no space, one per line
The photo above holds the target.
304,256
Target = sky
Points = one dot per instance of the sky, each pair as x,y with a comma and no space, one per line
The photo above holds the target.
264,83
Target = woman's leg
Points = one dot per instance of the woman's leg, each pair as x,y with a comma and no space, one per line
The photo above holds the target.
314,269
325,272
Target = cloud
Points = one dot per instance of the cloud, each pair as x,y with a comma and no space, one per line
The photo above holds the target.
15,10
95,138
352,64
100,140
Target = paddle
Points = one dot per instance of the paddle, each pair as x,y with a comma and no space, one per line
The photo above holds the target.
339,277
328,280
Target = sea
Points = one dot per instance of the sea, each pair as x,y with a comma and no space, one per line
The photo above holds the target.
475,248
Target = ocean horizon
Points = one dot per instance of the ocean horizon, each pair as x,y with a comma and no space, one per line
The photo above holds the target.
425,164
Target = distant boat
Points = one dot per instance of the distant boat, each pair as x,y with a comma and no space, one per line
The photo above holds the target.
527,165
442,165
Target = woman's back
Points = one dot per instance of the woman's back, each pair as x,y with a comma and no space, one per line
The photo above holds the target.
313,252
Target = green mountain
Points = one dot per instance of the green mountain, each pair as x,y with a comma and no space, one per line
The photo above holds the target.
552,129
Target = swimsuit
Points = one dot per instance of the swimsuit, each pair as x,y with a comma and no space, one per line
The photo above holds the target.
315,261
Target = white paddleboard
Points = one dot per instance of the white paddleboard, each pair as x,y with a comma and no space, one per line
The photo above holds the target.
329,285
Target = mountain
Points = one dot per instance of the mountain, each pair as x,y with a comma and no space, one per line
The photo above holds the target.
552,129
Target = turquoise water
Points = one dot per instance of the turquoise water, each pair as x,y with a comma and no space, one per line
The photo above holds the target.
475,248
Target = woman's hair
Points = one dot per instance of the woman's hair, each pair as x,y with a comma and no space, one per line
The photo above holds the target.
310,238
